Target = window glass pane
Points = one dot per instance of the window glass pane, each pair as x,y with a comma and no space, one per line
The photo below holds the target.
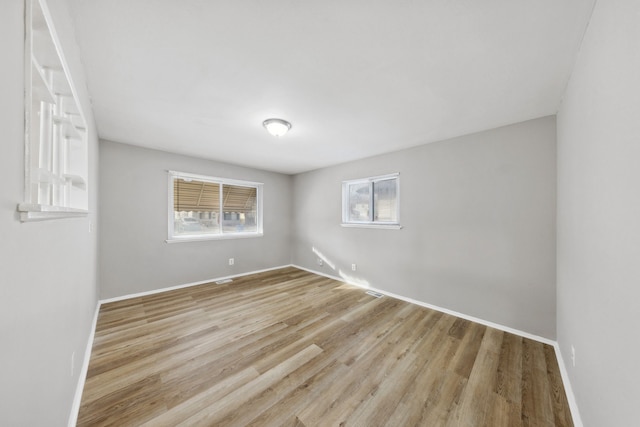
195,207
240,209
359,200
210,207
384,200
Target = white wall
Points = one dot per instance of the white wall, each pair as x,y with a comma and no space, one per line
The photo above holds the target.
134,256
479,225
48,290
599,217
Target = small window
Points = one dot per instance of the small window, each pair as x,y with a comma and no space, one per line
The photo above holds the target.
204,207
371,202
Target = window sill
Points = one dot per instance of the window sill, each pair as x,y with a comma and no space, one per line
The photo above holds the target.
185,239
36,212
370,225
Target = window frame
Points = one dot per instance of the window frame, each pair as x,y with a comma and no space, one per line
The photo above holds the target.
371,222
173,238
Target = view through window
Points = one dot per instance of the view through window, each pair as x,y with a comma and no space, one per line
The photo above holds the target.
371,201
213,207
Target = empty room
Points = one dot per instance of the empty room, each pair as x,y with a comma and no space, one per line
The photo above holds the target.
292,213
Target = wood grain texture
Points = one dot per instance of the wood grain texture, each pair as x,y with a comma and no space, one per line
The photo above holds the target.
290,348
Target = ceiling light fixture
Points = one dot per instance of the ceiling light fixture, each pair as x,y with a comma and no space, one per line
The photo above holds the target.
276,127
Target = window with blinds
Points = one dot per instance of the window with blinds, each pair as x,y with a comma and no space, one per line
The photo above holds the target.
202,207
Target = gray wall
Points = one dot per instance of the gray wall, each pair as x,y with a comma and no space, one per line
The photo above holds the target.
134,256
599,217
48,291
479,225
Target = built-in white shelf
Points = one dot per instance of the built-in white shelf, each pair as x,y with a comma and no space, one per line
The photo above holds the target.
68,128
36,212
44,176
40,85
76,181
56,152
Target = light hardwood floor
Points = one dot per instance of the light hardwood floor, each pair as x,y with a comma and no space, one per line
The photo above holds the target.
290,348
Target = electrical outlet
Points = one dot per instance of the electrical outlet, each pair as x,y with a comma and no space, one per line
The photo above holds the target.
573,356
320,262
354,267
231,261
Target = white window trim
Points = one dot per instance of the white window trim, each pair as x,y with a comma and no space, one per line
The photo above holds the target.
381,225
395,225
172,175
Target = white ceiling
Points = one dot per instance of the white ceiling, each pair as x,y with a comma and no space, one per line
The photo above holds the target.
355,77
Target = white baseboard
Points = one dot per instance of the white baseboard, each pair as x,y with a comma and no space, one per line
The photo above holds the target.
571,398
575,413
441,309
563,370
186,285
75,407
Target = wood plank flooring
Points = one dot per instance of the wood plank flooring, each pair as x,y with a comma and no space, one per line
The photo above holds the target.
290,348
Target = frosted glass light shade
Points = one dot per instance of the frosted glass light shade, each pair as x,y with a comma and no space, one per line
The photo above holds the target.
276,127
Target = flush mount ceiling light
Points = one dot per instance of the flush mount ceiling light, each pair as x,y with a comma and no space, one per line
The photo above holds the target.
276,127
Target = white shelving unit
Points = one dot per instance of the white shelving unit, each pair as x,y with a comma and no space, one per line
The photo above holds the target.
56,153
